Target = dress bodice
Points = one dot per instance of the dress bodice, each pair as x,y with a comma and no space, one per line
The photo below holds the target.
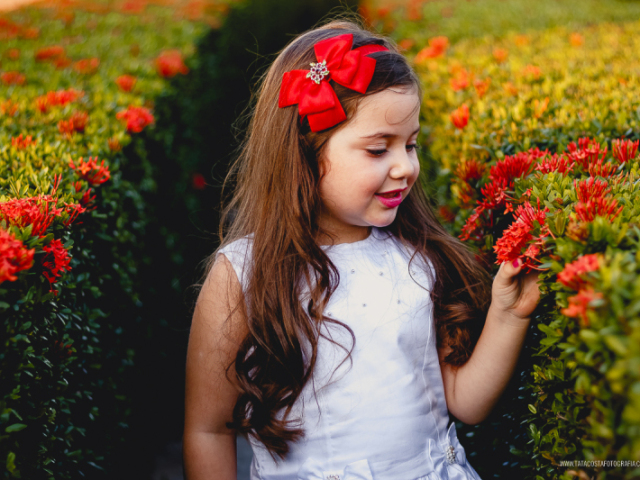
382,414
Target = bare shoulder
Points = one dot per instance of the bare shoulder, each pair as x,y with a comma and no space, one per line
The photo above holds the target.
218,328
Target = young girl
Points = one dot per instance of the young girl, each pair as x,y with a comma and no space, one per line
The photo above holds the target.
339,323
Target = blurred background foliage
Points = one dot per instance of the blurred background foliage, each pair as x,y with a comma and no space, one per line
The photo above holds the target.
531,75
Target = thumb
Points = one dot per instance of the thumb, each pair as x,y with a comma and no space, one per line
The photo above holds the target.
508,270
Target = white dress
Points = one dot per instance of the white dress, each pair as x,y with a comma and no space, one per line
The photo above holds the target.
382,416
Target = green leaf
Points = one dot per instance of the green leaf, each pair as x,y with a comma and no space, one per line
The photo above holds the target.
16,427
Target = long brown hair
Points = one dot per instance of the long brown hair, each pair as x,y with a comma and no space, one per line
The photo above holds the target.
276,199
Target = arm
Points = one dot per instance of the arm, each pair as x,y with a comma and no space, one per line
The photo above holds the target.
209,447
473,389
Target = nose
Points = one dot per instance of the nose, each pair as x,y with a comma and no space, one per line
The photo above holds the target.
404,164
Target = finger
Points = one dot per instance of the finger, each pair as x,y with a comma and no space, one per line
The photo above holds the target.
510,269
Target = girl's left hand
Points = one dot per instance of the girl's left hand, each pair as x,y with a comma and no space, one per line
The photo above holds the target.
514,293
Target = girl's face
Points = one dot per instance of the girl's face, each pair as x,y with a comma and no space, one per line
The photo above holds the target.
374,153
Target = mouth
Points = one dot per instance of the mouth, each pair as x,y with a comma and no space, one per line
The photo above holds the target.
391,193
392,198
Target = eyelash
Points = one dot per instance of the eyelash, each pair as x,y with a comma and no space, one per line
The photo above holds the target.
378,153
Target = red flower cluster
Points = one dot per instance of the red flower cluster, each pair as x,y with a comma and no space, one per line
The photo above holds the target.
624,150
437,47
170,63
481,86
460,116
59,98
587,152
469,171
9,107
49,53
579,304
555,163
520,234
14,256
37,211
573,274
137,118
76,123
12,54
460,80
13,78
90,171
87,66
55,262
87,200
21,143
126,82
592,200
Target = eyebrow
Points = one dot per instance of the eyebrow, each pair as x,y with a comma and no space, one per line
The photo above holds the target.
387,135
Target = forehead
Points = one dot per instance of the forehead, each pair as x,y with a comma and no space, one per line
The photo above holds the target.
394,107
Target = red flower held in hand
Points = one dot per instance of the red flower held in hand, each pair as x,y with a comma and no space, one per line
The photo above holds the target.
624,150
126,82
520,234
170,63
137,118
460,116
90,171
573,274
56,261
579,304
14,256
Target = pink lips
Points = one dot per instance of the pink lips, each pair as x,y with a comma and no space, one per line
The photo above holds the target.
391,202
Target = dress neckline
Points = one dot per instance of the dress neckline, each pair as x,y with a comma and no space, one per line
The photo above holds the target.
373,236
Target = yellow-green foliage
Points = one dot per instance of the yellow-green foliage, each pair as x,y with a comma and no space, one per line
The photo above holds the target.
590,78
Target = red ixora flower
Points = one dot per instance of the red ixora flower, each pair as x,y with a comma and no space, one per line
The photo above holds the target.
126,82
13,78
55,262
624,150
592,200
137,118
588,151
37,211
170,62
59,98
436,48
579,304
555,163
87,66
14,256
48,53
520,235
198,181
21,143
460,116
76,123
572,275
90,171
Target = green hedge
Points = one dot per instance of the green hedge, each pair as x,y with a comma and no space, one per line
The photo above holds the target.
66,364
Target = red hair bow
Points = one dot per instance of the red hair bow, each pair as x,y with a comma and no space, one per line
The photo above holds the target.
316,98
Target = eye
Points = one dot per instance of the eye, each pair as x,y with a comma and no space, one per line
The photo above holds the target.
413,146
377,153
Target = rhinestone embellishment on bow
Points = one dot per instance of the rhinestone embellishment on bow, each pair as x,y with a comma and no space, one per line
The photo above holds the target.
318,71
333,476
451,455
